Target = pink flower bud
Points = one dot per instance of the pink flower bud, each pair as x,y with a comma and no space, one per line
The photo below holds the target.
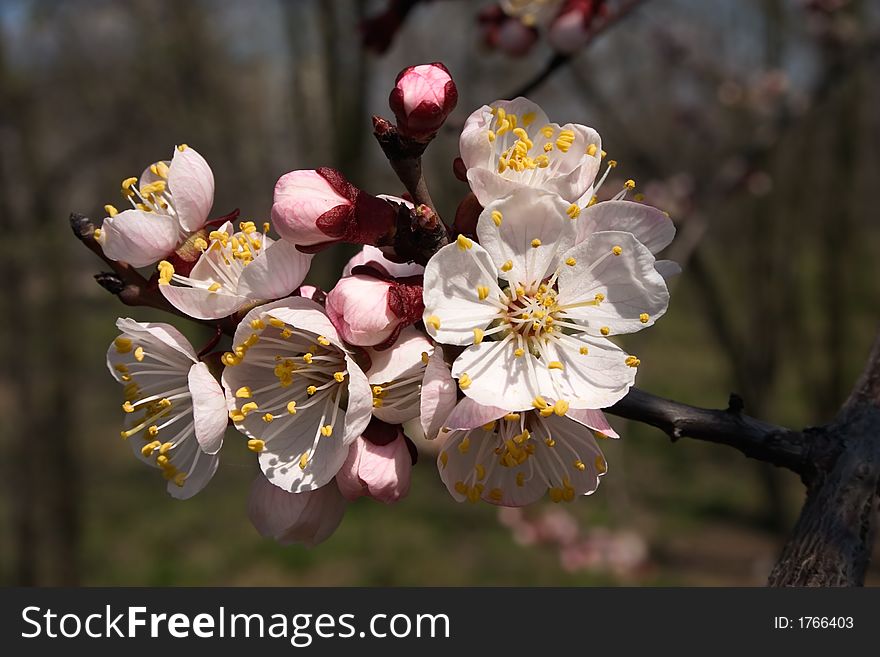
422,98
314,208
379,471
308,518
506,33
369,310
570,30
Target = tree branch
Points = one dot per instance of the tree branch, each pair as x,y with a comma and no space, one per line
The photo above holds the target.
559,60
834,536
754,438
126,282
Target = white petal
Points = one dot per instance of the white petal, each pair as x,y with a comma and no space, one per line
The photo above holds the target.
573,442
138,238
468,414
461,466
202,303
191,184
498,376
197,479
209,408
280,458
635,295
474,145
438,395
526,215
360,402
592,419
148,176
371,255
580,180
596,379
161,332
452,277
303,314
488,186
667,269
275,272
405,356
649,225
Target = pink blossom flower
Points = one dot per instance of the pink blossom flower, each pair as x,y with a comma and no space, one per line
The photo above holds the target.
512,145
314,208
309,517
235,270
171,200
381,471
422,98
512,459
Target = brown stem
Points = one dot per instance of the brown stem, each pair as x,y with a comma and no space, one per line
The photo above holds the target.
127,284
754,438
405,157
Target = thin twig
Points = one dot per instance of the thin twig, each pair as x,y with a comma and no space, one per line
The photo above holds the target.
557,61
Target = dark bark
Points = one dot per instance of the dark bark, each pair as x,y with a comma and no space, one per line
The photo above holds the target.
833,538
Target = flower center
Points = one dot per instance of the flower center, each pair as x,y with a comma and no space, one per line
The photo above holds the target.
225,255
519,149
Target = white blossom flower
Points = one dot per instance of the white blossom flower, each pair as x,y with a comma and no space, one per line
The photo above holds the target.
514,459
170,201
172,402
235,270
294,389
544,335
512,144
396,376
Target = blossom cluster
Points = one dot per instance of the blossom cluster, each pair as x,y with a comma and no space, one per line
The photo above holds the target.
497,346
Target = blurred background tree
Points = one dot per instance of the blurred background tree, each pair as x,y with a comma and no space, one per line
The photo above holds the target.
753,124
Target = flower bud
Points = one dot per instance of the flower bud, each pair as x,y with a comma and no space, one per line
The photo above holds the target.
506,33
422,98
378,471
314,208
570,29
308,518
369,310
